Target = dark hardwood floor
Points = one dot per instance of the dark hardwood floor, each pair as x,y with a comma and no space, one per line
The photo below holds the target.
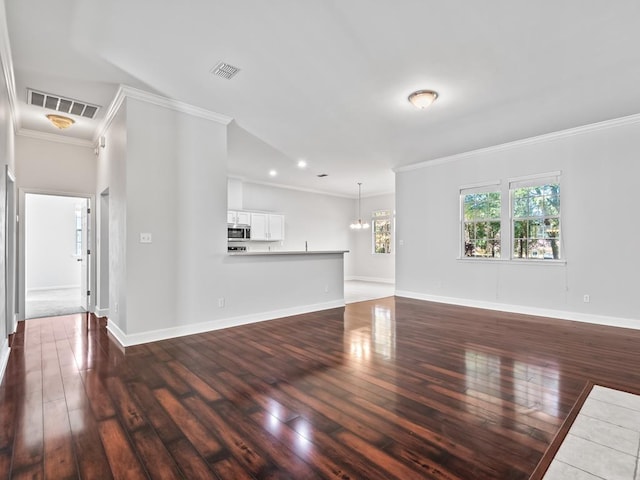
391,388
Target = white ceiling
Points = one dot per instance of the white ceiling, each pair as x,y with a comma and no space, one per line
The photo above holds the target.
327,80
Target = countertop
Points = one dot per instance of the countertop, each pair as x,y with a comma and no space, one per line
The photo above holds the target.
286,252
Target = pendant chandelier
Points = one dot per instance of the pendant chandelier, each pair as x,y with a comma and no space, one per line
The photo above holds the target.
359,224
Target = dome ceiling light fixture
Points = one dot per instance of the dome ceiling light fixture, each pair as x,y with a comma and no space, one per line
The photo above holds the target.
423,98
359,224
60,121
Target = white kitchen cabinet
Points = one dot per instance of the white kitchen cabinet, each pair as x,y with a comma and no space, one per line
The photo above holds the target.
267,227
238,218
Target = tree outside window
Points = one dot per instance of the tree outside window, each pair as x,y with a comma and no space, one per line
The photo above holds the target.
381,223
536,221
481,224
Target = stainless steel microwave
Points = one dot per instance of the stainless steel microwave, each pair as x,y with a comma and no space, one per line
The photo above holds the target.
238,234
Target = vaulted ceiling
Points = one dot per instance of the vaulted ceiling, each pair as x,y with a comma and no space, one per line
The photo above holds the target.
327,80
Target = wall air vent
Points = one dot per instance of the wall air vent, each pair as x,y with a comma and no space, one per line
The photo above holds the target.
61,104
225,70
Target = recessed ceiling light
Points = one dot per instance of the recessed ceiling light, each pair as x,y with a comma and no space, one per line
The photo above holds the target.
423,98
302,163
273,173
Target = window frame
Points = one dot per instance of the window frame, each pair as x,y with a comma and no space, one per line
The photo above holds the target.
532,181
388,216
507,234
487,187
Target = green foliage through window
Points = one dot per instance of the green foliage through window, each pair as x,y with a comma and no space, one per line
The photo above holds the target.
381,223
481,223
536,222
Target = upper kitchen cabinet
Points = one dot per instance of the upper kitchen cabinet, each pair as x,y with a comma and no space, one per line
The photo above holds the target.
238,218
267,227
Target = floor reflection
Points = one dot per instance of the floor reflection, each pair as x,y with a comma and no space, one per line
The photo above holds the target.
373,334
511,387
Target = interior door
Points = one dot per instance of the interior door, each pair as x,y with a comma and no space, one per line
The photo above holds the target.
84,257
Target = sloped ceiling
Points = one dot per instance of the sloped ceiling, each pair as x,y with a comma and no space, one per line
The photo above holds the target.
328,81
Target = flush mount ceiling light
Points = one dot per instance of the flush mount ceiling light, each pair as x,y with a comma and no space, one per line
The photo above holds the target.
60,121
423,98
359,224
272,173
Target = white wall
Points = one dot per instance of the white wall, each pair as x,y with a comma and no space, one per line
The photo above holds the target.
320,220
6,159
167,175
600,171
367,265
43,166
54,166
50,239
111,168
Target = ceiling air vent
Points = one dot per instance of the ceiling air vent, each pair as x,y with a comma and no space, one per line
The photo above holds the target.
61,104
225,70
322,175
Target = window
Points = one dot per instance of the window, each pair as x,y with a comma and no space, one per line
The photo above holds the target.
536,219
481,223
381,223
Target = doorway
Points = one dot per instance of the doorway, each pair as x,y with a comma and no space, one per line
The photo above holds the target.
56,255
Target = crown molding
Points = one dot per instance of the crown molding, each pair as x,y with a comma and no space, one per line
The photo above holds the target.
124,91
570,132
7,67
52,137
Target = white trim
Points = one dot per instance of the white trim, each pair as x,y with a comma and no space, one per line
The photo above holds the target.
57,287
616,122
5,350
473,186
7,66
514,261
53,137
110,114
524,310
127,340
101,312
358,278
125,91
536,176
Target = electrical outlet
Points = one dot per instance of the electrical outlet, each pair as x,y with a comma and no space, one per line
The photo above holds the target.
586,298
116,307
326,289
221,302
146,238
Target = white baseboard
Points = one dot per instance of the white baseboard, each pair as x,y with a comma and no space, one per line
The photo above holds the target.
128,340
56,287
538,312
371,279
101,312
4,357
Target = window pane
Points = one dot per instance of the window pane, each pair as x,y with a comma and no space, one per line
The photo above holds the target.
536,222
382,235
552,205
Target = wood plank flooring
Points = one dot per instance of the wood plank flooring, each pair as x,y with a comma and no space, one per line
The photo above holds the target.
385,389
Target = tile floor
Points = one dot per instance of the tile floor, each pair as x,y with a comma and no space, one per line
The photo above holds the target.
358,291
604,440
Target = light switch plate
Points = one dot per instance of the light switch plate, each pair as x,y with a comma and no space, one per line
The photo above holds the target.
146,238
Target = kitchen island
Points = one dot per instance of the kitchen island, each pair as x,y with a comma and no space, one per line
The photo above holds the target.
289,252
280,283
